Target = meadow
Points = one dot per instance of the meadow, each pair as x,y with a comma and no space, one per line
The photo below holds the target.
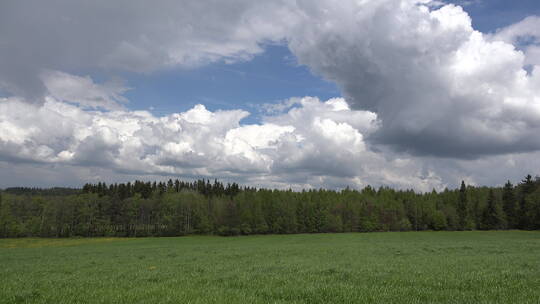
389,267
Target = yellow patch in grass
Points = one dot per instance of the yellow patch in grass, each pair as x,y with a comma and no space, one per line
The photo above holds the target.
49,242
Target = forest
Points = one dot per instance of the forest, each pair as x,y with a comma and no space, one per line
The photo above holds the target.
176,208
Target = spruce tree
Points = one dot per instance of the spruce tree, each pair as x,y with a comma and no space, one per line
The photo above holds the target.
527,187
462,206
509,204
491,219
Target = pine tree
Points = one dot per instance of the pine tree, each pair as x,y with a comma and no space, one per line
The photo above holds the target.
177,185
462,206
162,188
509,204
528,184
86,188
533,208
491,219
128,190
527,187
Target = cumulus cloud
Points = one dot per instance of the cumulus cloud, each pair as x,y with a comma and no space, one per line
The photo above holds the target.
438,86
318,143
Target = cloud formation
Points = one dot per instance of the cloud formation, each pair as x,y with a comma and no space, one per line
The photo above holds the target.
315,144
128,35
438,86
416,76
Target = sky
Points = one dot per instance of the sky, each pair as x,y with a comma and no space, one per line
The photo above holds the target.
410,94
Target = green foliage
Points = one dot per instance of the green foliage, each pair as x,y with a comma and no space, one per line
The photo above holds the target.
532,203
404,224
492,217
528,203
56,191
439,221
509,205
178,208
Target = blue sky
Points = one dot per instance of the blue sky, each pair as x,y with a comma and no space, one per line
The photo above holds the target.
269,77
488,15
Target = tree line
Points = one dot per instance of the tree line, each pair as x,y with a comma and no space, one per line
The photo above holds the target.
175,208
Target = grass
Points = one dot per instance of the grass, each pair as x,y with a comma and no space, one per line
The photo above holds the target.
405,267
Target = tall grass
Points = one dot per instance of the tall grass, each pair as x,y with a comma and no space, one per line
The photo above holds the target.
411,267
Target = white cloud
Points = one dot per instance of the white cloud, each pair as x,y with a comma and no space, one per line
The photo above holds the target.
317,144
438,86
309,146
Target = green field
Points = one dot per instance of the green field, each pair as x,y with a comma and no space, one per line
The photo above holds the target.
401,267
